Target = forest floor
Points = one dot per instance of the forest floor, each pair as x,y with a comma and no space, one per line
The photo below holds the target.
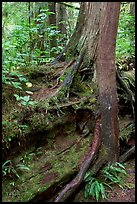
61,153
128,194
117,194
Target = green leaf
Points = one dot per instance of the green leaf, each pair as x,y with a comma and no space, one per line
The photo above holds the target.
96,193
6,162
102,190
16,85
120,170
18,98
26,98
39,148
39,152
9,170
9,138
4,122
97,184
22,167
87,175
62,78
4,173
23,79
85,194
24,103
119,164
31,102
92,189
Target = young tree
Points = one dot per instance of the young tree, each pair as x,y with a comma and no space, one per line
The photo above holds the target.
61,20
93,45
40,26
52,23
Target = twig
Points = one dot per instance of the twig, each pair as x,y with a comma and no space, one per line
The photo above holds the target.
127,154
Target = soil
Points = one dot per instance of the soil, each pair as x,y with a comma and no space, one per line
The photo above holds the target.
117,195
128,194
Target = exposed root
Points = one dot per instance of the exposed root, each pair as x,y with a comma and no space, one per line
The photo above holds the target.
63,90
64,69
69,78
74,184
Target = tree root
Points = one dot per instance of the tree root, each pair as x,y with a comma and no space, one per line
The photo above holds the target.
74,184
69,78
64,69
63,90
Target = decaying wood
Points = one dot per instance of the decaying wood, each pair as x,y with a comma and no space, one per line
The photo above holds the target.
127,154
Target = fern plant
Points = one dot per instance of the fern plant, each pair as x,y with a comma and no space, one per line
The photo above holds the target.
9,170
111,174
94,188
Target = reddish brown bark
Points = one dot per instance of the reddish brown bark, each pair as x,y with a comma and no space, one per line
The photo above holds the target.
103,37
106,76
73,185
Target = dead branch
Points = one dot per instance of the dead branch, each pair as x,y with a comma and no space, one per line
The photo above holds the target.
127,154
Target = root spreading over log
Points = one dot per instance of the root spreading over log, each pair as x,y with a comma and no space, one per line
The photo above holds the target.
74,184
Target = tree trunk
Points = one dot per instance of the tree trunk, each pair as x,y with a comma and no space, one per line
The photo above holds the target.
52,22
40,28
106,75
61,23
61,18
85,34
30,35
94,43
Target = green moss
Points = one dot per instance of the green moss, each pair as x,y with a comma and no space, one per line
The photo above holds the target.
30,182
11,130
103,152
